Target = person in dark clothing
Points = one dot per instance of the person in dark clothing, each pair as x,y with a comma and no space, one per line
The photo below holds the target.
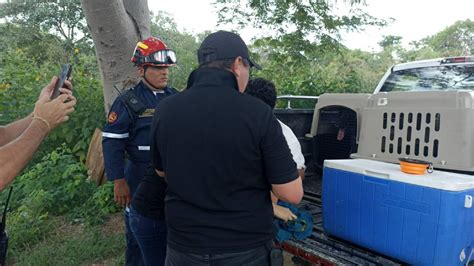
221,152
127,132
147,218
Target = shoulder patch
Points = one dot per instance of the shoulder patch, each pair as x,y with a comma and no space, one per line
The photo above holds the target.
112,117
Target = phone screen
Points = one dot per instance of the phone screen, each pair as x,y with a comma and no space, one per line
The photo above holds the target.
65,74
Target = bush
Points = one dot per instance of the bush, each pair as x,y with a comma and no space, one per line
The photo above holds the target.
21,81
89,111
26,227
56,186
97,207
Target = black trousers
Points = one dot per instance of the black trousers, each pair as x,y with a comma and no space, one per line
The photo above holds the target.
259,256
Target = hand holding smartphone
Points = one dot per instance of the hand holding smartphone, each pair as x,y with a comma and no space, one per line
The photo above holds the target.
66,70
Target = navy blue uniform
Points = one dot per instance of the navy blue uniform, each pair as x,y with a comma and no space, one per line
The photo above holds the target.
127,132
126,146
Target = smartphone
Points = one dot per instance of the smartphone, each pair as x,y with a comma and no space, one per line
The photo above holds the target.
66,70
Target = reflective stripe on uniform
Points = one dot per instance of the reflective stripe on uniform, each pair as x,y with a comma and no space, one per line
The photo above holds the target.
143,148
114,135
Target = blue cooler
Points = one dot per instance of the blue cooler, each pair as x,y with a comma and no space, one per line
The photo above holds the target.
418,219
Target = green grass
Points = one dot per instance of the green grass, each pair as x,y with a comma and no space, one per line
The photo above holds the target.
76,245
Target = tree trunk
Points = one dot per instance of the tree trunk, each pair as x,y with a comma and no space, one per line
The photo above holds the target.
140,15
116,26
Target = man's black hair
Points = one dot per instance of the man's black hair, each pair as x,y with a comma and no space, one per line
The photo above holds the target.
263,89
224,63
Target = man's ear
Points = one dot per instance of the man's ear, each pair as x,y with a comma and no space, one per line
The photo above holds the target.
237,66
141,71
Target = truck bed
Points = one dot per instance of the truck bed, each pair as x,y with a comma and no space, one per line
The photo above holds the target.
319,248
322,249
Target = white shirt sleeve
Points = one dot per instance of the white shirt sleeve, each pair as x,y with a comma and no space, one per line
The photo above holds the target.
294,145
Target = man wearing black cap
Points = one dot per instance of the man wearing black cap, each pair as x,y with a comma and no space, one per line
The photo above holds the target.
221,152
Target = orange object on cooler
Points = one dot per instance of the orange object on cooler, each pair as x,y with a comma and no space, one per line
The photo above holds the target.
414,166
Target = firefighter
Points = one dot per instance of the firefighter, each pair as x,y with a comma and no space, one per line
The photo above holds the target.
125,137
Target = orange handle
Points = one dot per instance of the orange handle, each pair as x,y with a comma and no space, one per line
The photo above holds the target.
415,168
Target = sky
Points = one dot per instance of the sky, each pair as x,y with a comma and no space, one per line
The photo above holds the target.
414,19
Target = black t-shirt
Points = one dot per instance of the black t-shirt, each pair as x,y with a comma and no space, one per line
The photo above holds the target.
149,198
220,150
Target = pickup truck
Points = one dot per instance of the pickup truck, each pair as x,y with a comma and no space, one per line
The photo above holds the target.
332,130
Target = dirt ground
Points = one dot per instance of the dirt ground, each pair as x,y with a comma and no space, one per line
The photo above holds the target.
114,224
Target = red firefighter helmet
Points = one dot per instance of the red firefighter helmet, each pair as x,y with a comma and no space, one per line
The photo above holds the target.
153,52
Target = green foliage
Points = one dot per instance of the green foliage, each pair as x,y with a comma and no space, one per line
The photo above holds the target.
39,47
301,52
88,113
425,52
64,19
455,40
26,227
318,71
72,245
313,68
56,186
21,80
51,187
97,207
19,84
305,23
390,41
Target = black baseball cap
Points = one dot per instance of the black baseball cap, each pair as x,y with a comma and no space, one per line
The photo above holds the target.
223,45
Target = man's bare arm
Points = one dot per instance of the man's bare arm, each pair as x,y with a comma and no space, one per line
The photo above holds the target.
11,131
15,155
48,114
291,192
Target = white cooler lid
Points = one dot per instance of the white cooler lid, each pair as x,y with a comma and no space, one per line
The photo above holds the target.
438,179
